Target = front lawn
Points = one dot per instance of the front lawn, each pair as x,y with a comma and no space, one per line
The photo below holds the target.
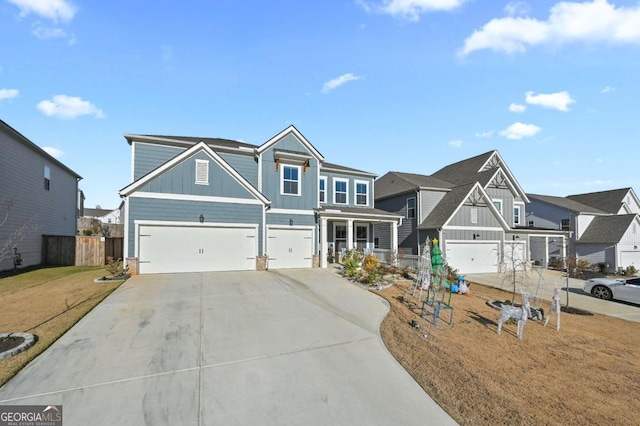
46,302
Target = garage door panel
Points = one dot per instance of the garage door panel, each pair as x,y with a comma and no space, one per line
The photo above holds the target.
470,258
165,249
290,248
629,258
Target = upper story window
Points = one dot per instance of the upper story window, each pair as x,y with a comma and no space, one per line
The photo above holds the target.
323,189
565,224
47,177
516,215
290,180
202,172
341,191
411,208
498,204
362,193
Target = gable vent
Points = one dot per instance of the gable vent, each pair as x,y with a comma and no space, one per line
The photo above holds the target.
202,172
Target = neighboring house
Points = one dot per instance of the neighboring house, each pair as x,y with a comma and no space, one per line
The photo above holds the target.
475,208
604,226
41,193
112,220
205,204
103,215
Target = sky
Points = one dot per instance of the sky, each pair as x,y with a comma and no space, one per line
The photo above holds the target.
377,85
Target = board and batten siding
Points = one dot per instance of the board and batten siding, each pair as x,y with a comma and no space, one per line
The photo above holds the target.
507,198
486,217
246,165
51,212
180,179
351,188
148,157
190,211
308,198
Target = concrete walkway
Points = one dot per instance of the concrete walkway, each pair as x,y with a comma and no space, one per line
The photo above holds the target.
264,348
542,281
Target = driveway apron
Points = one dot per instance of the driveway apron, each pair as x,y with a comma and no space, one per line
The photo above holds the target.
278,347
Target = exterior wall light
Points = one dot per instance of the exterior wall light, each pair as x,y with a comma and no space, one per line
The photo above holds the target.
290,222
201,219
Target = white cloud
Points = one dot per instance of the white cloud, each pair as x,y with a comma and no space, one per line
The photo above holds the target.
54,152
339,81
598,182
595,21
55,10
607,89
64,106
456,143
8,93
517,8
558,100
46,33
519,130
410,9
486,134
517,108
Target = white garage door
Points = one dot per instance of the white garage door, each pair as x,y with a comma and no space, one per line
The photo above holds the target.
629,258
164,249
514,256
471,258
289,248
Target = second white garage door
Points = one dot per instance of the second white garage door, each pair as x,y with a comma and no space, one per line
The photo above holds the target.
629,258
166,249
289,248
473,258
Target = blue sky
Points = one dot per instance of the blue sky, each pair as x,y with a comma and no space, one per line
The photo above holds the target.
379,85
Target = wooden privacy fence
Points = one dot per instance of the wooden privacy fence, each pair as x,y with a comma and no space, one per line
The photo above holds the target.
58,250
89,250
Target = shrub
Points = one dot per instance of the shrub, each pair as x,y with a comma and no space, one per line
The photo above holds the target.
114,267
630,271
370,263
351,262
87,232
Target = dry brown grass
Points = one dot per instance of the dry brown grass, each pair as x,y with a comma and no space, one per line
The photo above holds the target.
46,302
587,373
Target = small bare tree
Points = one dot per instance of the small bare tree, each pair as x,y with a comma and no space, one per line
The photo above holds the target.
8,242
514,265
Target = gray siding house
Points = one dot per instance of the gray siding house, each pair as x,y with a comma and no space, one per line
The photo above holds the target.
206,204
603,226
475,208
38,196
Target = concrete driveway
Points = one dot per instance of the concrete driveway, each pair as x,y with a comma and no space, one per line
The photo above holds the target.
542,281
290,347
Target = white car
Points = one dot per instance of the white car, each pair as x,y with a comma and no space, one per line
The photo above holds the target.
620,289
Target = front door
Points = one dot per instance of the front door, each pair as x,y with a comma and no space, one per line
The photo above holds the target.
340,237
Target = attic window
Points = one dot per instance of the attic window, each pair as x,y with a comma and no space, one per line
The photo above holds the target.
474,215
202,172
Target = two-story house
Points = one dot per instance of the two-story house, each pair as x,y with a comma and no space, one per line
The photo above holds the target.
206,204
475,208
603,226
38,196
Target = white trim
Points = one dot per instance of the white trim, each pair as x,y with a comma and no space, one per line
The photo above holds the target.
367,218
326,184
133,160
291,211
490,206
474,215
355,192
125,252
520,206
260,172
307,227
509,174
348,172
199,165
471,228
415,210
346,181
299,181
291,129
194,224
188,197
201,146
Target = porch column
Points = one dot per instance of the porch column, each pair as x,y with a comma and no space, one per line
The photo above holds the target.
349,234
564,248
323,243
394,241
545,261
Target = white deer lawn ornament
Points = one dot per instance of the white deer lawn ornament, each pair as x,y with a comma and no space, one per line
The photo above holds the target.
521,313
555,307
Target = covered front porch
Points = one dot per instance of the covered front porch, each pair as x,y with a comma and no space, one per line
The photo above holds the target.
343,229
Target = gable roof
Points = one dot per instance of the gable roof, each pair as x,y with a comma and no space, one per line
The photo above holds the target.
609,201
189,141
97,212
464,171
393,183
566,203
344,169
607,229
453,201
44,154
200,146
291,130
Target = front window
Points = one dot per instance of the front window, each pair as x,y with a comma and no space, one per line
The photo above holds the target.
47,177
411,208
340,194
498,205
516,215
290,180
323,189
362,232
362,193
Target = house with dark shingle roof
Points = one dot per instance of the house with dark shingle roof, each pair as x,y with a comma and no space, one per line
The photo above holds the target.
475,208
604,226
209,204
